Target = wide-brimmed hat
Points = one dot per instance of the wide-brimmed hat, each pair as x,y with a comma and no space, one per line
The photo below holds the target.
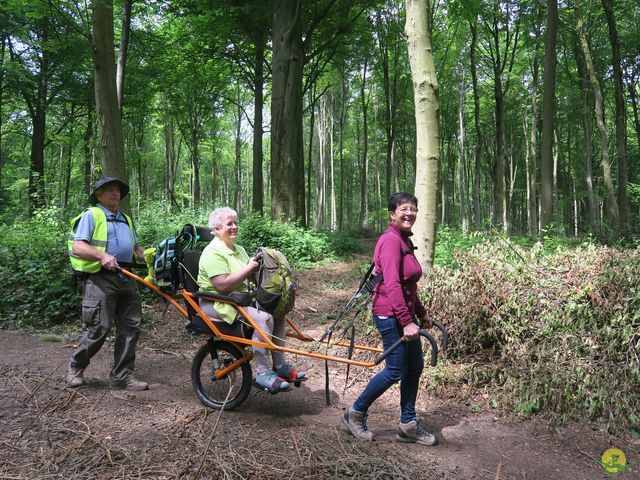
124,188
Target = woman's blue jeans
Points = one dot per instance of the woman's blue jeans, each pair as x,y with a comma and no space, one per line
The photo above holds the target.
403,365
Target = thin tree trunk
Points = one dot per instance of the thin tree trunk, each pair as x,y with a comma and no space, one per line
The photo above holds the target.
258,180
463,168
499,172
587,108
334,220
88,147
426,103
214,168
532,152
634,105
477,213
612,204
364,198
122,52
171,159
237,192
195,165
67,176
621,121
312,120
321,218
36,165
341,122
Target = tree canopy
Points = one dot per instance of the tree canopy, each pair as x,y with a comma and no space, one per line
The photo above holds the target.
304,110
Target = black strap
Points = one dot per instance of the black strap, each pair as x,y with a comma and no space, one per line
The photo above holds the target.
114,219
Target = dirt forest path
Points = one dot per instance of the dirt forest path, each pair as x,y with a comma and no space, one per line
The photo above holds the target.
93,432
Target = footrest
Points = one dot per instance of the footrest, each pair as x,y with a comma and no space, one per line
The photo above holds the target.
264,389
299,381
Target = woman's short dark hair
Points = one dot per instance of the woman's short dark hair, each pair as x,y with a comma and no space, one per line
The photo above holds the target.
399,198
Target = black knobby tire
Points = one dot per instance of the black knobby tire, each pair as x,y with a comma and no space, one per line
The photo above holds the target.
211,391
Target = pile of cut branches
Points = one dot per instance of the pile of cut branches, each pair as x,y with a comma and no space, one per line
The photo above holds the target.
557,333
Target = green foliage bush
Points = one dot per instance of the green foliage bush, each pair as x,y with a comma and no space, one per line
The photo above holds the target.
302,247
37,287
155,223
556,333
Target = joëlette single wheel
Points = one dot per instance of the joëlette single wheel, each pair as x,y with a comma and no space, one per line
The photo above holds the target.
212,392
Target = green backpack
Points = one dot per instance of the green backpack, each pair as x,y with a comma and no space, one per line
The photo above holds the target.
276,290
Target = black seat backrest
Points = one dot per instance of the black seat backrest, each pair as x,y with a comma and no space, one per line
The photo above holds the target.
199,232
189,270
189,274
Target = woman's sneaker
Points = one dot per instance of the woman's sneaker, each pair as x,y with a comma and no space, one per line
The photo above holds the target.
413,432
289,373
272,382
356,422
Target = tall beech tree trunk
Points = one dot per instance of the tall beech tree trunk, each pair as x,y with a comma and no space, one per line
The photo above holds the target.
548,116
341,122
287,165
499,200
312,120
612,204
107,109
332,183
462,173
425,87
587,106
477,213
364,174
532,146
389,84
621,120
321,175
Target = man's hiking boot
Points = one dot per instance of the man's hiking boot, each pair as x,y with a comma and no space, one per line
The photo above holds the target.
413,432
129,383
75,378
290,374
272,382
356,422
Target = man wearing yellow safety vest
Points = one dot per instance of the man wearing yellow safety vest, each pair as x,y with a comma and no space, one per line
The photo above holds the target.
101,238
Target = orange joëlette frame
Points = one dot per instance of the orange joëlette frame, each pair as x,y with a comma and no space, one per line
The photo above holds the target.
266,343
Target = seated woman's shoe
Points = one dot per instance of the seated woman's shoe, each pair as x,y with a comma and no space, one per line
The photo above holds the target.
272,382
289,373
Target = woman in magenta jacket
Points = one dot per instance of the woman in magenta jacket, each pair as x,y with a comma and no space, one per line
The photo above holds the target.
397,312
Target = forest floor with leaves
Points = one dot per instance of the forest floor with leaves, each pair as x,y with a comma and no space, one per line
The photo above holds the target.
47,431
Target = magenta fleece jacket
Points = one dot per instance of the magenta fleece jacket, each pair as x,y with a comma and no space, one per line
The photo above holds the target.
397,294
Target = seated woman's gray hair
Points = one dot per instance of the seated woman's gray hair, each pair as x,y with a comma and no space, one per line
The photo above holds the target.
217,216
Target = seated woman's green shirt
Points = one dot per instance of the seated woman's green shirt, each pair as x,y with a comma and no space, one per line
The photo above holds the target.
218,259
